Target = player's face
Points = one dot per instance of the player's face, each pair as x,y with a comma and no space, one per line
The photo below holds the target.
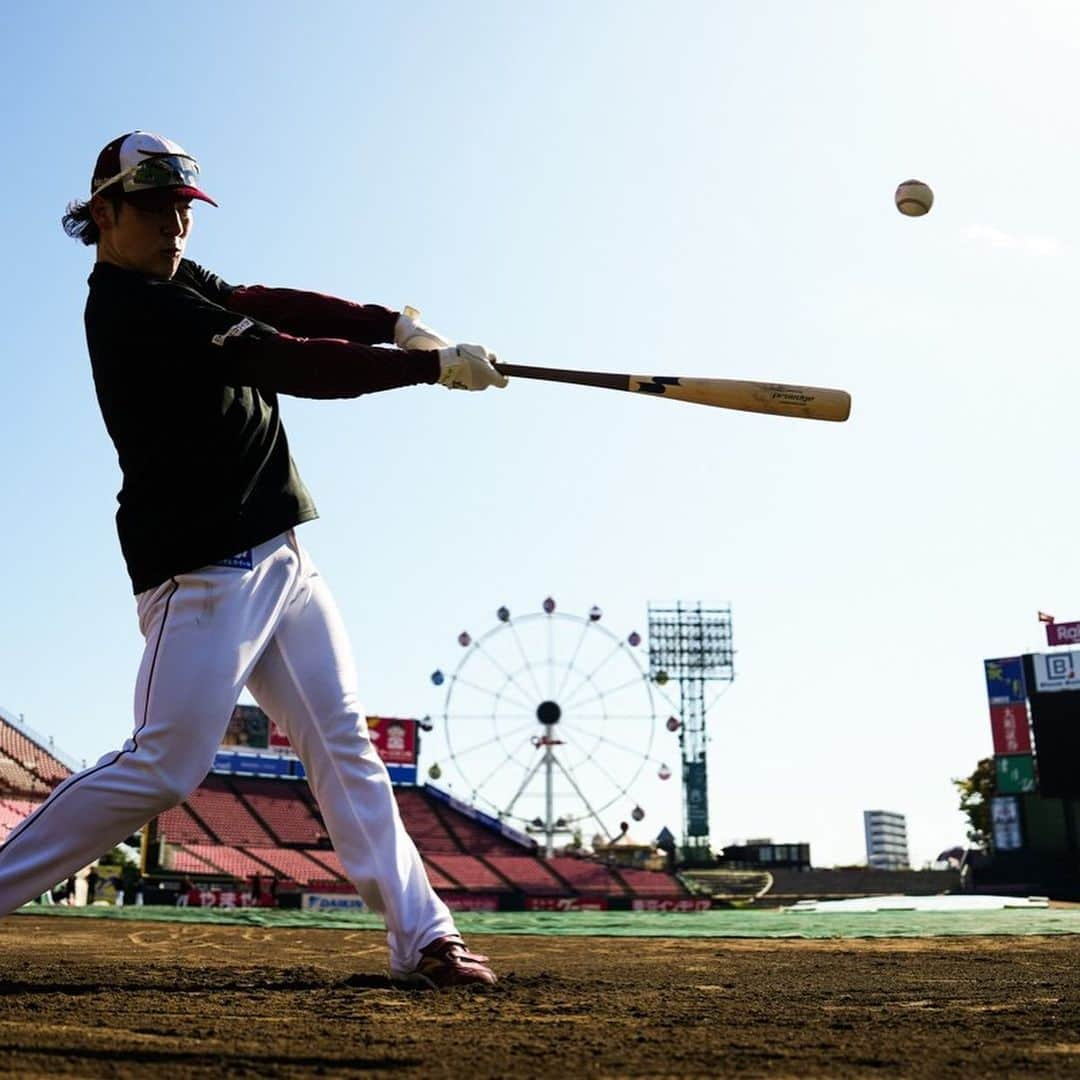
150,239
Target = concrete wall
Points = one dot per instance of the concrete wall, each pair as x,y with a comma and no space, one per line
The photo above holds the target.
789,885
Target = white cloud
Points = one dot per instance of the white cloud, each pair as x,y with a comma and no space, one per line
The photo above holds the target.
1027,243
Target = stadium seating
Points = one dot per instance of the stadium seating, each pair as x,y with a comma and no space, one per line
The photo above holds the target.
651,884
469,871
439,881
34,759
424,825
179,827
585,876
283,809
291,865
9,818
225,815
23,807
230,860
216,832
184,862
527,873
12,811
13,777
331,860
474,837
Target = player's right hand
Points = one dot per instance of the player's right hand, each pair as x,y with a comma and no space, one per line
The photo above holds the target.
411,333
468,367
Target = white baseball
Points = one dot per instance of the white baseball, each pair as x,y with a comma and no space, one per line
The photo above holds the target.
914,198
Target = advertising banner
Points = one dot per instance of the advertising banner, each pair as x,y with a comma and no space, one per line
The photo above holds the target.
1015,774
1005,680
1005,820
249,727
321,901
470,901
254,745
688,903
1063,633
249,763
1009,724
566,903
395,739
1056,671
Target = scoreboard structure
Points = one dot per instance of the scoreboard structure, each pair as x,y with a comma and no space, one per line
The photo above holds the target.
1034,703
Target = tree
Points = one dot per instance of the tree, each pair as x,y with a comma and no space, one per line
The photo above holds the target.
975,792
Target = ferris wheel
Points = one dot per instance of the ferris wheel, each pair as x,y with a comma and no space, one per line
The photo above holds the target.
550,723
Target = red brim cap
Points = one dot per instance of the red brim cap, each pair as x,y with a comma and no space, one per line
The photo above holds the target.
152,198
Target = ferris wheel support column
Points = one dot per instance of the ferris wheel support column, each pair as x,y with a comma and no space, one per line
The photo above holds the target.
549,797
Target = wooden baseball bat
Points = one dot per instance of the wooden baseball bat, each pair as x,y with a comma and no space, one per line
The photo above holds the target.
778,399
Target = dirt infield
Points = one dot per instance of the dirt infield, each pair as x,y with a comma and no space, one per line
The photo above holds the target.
95,998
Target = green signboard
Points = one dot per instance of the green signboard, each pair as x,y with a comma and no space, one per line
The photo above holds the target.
1015,773
697,799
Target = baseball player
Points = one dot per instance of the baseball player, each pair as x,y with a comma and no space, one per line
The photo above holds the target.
188,371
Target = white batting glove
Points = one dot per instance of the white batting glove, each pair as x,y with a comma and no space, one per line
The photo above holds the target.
410,333
468,367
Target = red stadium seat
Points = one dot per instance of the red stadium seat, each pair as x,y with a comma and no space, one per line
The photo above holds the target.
177,826
528,873
424,825
215,803
282,807
586,876
291,865
469,871
228,860
652,884
331,861
35,768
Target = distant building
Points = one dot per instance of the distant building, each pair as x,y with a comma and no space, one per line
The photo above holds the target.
762,853
886,840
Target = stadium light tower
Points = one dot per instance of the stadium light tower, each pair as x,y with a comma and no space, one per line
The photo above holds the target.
692,646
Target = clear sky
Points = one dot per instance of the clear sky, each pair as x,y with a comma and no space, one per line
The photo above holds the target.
685,188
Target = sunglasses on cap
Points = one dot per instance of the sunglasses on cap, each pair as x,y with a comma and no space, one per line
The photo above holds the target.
156,172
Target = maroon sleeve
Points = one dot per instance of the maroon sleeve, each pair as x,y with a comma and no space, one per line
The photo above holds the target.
325,367
313,315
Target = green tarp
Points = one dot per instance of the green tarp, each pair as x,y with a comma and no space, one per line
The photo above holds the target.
718,924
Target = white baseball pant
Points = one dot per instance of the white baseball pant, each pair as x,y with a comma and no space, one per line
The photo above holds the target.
275,629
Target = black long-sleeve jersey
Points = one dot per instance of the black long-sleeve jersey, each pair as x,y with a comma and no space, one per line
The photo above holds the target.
188,372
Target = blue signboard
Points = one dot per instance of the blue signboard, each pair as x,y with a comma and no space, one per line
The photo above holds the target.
1005,681
238,763
247,764
402,774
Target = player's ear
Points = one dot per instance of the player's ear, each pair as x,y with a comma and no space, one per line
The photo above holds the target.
104,212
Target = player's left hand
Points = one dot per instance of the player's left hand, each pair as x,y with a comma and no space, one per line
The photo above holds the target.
411,333
468,367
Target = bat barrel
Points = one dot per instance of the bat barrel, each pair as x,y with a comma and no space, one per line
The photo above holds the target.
775,399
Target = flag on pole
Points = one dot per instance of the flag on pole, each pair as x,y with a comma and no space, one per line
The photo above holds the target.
1043,617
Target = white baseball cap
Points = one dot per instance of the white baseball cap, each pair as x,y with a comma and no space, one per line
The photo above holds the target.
142,162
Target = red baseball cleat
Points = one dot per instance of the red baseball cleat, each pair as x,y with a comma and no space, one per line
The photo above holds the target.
447,962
